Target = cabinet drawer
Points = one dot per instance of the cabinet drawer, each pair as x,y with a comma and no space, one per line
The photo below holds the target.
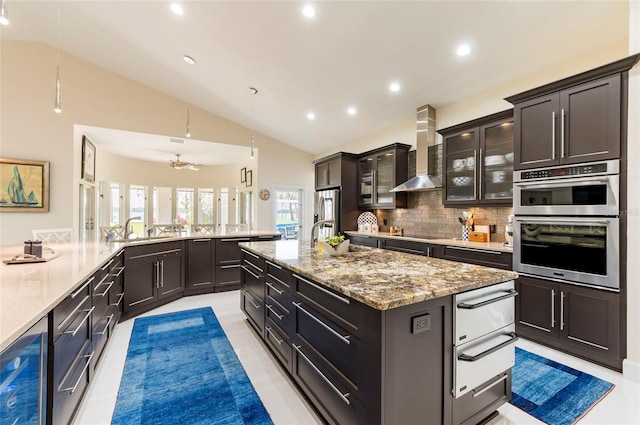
345,353
347,313
101,296
325,390
280,313
135,252
278,275
482,311
70,387
364,240
252,280
279,343
228,251
478,403
408,247
67,311
254,310
253,261
74,337
228,275
275,288
481,257
101,333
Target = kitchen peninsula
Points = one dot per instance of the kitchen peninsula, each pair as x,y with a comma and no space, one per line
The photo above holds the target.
382,337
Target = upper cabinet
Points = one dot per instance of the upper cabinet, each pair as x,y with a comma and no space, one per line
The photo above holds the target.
577,119
379,171
333,171
478,161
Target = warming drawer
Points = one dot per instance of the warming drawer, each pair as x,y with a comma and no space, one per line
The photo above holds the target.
482,311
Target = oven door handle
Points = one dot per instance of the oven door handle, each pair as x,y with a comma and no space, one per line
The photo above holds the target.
575,221
510,293
468,358
564,182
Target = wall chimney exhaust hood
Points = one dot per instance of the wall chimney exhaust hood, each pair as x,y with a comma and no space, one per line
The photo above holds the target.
425,137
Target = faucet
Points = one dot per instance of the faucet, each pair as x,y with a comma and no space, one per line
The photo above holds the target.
314,227
127,231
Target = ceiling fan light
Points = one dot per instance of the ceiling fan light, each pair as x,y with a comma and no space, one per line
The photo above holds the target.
188,134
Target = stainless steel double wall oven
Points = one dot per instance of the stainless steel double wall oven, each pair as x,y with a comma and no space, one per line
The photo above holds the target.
567,224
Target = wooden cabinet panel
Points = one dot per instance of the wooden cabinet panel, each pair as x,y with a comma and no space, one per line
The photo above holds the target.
254,310
140,284
408,247
535,131
228,251
365,240
481,257
171,274
379,171
200,265
535,307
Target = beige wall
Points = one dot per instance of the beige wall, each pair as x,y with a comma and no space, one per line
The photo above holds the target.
94,96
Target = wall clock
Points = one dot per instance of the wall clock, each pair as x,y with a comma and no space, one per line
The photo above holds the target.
264,194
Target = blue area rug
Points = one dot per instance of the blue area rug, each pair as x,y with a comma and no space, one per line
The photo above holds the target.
181,369
552,392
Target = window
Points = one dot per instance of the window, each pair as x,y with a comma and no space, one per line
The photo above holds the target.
137,209
162,205
185,206
115,203
206,198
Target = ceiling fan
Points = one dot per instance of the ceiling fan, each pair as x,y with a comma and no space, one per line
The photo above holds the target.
182,165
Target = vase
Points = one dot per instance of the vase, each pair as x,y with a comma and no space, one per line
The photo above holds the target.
465,233
341,249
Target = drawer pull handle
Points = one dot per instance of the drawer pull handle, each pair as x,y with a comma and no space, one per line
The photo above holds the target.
254,266
277,280
269,307
233,266
201,240
401,249
245,268
72,314
103,268
333,387
104,331
343,338
270,285
279,341
250,253
75,294
235,240
488,387
106,291
510,293
84,370
467,358
119,271
484,251
75,331
257,307
120,297
344,300
274,265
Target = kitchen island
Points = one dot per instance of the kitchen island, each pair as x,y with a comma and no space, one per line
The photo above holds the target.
379,337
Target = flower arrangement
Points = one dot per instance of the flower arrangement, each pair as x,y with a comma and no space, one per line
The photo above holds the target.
336,245
334,240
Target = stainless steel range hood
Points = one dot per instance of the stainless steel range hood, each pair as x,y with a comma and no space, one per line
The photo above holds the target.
425,137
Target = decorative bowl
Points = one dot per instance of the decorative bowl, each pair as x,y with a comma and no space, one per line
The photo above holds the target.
341,249
495,160
459,164
462,181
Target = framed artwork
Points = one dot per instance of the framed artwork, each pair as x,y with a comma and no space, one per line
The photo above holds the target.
24,185
249,179
243,175
88,160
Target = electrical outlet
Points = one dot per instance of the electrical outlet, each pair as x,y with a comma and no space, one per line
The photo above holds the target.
384,221
492,228
421,323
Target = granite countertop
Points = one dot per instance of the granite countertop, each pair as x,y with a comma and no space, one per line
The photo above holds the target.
491,246
29,291
379,278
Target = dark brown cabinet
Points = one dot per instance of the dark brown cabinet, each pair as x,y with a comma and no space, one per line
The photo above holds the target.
409,247
201,260
228,258
365,240
480,257
478,161
335,171
152,273
379,171
579,320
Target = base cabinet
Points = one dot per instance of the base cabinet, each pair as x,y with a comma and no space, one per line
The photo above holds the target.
201,259
579,320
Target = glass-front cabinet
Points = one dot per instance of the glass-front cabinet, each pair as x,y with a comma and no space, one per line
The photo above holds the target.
379,171
478,158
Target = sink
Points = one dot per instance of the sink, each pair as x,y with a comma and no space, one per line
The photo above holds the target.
147,238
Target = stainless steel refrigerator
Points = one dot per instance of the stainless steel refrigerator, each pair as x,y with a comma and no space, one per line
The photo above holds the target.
327,207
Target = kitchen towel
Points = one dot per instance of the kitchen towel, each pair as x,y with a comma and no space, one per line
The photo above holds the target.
552,392
181,369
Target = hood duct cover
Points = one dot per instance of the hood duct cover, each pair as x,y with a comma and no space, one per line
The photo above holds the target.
426,137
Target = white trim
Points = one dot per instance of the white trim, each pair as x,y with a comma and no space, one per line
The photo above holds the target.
631,370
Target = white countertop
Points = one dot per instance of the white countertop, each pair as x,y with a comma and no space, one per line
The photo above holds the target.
29,291
491,246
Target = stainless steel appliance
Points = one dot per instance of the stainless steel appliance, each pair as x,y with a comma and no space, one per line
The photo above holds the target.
23,378
327,207
567,225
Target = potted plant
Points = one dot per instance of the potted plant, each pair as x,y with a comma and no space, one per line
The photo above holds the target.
336,245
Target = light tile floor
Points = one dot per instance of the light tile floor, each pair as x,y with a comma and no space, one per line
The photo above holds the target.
281,398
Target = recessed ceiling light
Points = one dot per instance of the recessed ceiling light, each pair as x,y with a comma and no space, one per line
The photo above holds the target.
309,11
351,110
463,50
394,87
311,116
189,60
177,9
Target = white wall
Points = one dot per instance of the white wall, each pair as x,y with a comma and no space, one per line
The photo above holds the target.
94,96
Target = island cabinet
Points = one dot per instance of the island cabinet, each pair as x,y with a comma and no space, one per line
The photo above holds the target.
229,261
577,119
478,161
153,275
379,171
579,320
481,257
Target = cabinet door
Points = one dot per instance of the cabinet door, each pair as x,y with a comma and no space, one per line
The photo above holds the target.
333,168
171,276
460,156
536,308
590,320
590,121
385,179
536,132
495,183
322,175
228,251
140,277
366,176
201,264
